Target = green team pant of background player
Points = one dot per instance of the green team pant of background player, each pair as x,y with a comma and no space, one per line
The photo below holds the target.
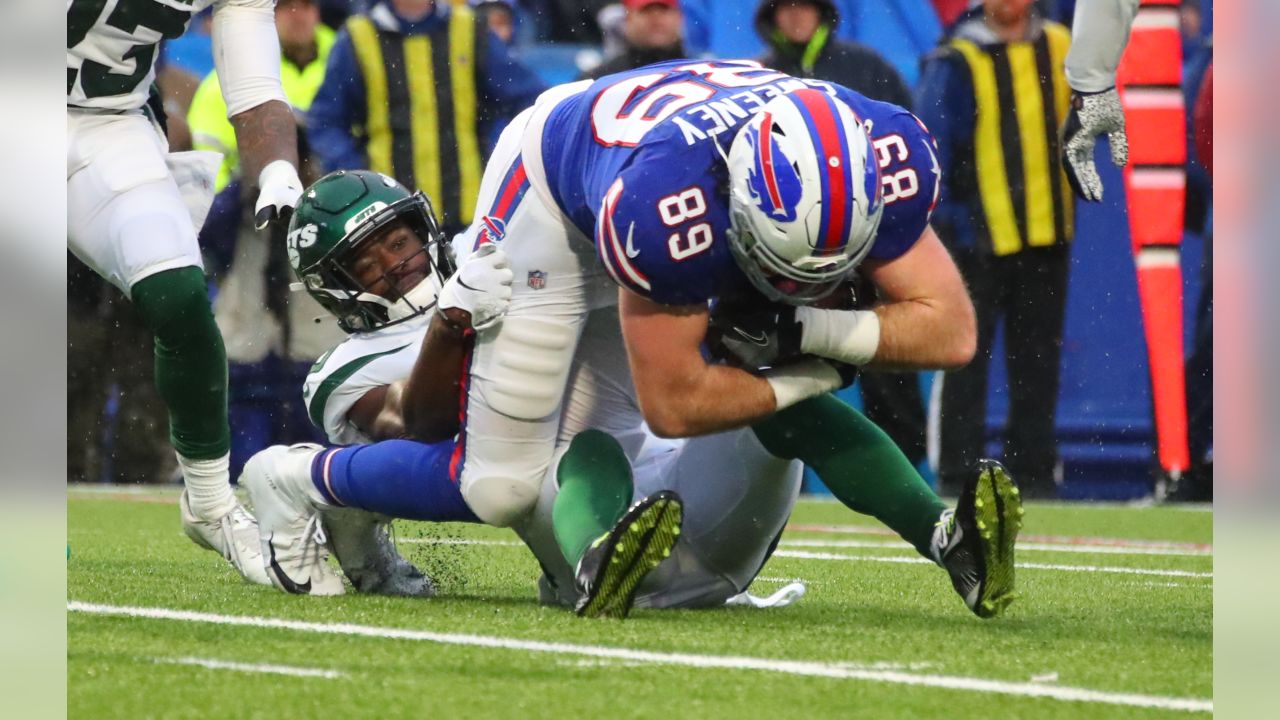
396,376
133,209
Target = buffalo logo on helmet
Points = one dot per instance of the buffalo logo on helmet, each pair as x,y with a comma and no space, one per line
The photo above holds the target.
773,180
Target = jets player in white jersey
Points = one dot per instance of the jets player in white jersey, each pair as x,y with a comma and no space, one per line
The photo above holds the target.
356,244
133,211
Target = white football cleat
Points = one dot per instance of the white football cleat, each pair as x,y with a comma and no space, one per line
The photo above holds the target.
362,543
234,536
289,525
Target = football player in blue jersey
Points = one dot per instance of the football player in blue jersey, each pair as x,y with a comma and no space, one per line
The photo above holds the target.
625,206
368,251
661,189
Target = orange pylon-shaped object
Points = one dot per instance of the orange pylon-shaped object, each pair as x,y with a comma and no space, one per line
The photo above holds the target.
1150,78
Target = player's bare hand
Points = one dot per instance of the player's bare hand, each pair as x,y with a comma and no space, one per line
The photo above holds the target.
481,287
278,193
1092,115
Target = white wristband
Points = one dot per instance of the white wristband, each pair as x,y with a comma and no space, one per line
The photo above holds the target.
246,53
799,382
850,336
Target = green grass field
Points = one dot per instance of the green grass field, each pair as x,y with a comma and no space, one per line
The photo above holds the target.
1114,620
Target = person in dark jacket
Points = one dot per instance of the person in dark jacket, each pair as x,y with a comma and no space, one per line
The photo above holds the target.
403,94
654,32
801,35
801,39
994,94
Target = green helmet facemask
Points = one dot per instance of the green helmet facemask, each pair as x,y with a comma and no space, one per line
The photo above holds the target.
335,216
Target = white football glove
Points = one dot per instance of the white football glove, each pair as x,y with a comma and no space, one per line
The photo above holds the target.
1091,115
278,191
481,286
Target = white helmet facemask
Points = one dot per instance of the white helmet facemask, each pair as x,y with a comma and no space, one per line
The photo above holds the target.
804,199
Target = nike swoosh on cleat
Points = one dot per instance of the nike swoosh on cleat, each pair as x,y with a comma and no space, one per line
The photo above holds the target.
761,339
285,580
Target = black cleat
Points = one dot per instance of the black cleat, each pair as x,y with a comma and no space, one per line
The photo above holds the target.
975,542
612,568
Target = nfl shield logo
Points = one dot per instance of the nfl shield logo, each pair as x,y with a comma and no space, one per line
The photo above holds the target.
537,279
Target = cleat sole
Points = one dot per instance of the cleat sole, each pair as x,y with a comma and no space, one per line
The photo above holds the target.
999,506
657,527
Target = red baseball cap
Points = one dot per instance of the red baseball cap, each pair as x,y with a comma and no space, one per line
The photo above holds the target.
638,4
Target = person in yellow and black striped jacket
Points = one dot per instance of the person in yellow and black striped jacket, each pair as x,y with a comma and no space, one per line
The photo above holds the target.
405,91
994,95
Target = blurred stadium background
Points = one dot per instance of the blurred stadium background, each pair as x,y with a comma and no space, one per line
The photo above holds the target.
1105,421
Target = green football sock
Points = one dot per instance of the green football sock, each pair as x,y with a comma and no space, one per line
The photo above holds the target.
858,462
595,490
191,361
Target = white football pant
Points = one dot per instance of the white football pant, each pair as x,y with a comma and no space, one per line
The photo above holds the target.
126,216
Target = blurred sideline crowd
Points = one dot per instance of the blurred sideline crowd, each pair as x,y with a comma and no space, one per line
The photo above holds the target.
420,89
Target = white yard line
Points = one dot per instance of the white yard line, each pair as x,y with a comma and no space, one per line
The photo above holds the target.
1022,546
762,578
806,555
802,555
1202,586
110,489
251,667
458,541
1080,540
1046,543
724,662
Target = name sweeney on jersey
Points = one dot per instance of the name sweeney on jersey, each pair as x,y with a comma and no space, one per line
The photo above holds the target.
712,117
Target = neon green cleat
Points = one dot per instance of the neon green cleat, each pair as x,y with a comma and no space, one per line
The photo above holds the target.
975,542
611,570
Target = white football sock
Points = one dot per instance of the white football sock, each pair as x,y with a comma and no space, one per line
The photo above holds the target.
208,486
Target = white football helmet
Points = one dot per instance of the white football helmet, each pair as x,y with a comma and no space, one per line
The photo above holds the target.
805,196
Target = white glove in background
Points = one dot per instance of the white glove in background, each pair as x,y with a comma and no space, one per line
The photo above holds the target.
278,191
1090,116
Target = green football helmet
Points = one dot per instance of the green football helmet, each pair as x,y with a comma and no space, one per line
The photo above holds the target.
334,217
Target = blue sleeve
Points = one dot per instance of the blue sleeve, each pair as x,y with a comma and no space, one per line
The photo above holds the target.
507,81
339,106
910,179
679,257
945,103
